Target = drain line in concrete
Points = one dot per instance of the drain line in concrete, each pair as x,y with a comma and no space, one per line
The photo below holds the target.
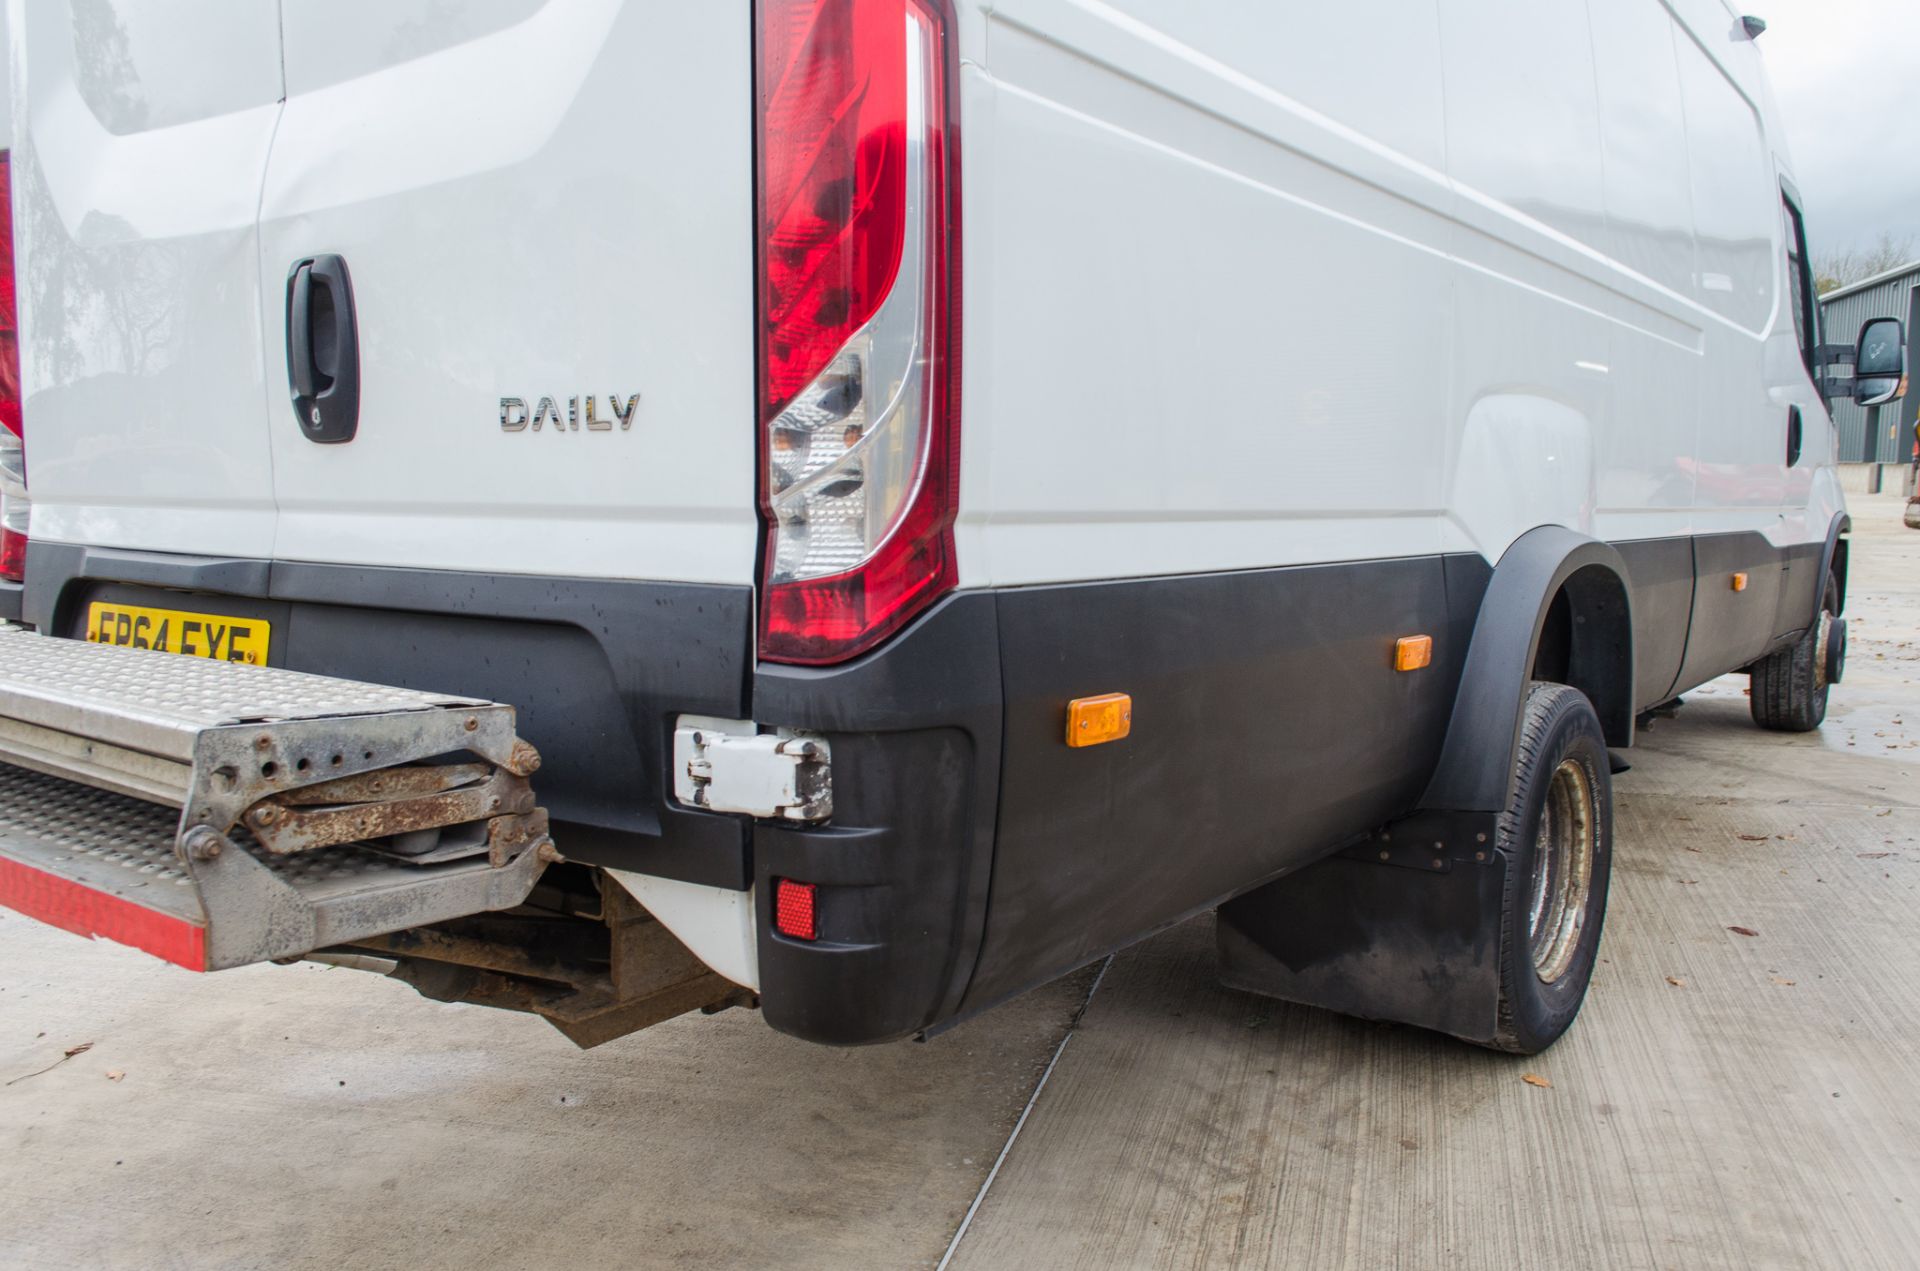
981,1195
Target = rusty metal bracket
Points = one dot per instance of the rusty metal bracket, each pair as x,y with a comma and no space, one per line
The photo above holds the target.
636,974
389,783
283,826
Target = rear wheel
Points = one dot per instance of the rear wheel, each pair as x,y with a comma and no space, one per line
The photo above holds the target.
1789,688
1557,837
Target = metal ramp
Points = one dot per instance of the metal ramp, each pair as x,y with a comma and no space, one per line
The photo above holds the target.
217,814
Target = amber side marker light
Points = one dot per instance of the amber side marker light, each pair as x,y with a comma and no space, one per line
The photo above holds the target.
1411,653
1093,720
1739,582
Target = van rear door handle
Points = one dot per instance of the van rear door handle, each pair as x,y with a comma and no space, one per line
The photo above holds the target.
1795,428
323,350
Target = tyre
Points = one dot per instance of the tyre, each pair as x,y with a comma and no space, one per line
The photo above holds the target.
1557,837
1789,688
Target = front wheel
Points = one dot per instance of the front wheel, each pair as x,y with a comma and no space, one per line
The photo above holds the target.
1789,688
1557,837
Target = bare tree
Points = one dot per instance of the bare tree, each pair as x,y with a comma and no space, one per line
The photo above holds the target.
1835,269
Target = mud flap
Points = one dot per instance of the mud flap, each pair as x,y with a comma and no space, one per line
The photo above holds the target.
1403,928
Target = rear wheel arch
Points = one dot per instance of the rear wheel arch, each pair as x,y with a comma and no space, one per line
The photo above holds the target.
1595,612
1557,608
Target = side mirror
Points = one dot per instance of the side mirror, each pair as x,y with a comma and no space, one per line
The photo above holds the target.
1880,362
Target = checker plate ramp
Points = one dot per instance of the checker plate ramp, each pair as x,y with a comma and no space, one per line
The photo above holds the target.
129,778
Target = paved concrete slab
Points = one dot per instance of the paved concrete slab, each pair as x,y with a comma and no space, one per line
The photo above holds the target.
1725,1100
294,1117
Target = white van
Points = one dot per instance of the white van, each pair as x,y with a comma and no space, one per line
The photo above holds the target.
949,487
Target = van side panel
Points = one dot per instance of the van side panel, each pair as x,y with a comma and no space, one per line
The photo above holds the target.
1736,217
1646,476
1164,372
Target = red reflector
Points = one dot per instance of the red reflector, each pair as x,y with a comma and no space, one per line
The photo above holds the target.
63,903
793,914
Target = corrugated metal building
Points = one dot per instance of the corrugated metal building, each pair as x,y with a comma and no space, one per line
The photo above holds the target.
1842,313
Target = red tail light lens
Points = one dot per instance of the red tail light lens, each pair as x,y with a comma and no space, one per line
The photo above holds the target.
793,910
13,457
858,347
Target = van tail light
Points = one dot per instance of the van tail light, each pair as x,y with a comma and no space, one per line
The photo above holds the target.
14,505
858,309
13,455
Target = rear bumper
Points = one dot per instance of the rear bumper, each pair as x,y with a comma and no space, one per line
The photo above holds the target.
904,868
599,671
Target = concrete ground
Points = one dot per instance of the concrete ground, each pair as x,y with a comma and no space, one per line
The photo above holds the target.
1726,1100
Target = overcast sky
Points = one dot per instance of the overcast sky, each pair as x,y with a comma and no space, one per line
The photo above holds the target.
1847,73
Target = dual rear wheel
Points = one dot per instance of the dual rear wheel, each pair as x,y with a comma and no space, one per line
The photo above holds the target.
1557,837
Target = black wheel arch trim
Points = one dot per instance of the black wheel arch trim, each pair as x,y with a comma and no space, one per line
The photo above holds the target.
1476,760
1835,560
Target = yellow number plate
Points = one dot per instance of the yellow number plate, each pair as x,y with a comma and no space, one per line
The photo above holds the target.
199,635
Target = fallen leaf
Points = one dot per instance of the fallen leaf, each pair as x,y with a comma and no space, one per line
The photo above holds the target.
1753,838
1743,931
114,1074
1535,1079
81,1049
1676,981
1785,984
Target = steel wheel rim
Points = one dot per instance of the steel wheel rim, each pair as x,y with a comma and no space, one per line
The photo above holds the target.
1562,875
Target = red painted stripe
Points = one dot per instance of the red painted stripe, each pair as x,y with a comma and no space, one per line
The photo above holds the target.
65,904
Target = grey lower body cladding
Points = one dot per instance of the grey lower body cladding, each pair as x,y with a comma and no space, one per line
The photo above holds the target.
972,854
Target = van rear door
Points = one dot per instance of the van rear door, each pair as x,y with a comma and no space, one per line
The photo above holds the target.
141,135
544,212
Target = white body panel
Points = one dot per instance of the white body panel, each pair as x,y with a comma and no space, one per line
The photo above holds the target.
1244,284
141,138
533,200
536,200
